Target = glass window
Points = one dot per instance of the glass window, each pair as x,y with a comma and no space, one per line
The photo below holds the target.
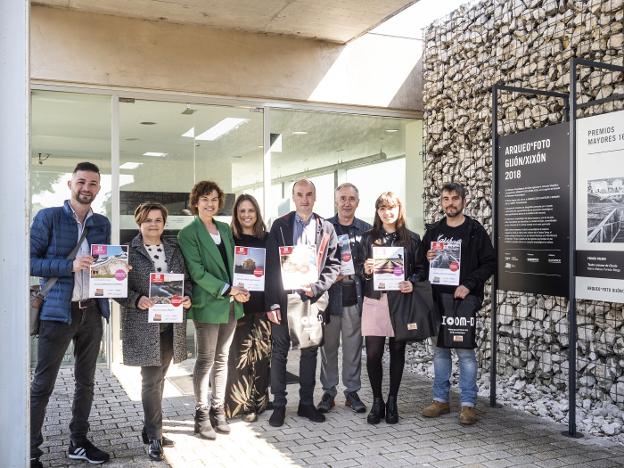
331,148
165,148
68,128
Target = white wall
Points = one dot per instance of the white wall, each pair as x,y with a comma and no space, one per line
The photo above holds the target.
14,203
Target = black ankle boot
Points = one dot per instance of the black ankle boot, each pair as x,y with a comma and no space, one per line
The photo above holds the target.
217,418
377,411
202,424
392,412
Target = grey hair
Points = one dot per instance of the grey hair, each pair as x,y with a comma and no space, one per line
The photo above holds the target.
347,185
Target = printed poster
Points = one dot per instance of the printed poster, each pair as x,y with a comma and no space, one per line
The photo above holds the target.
249,268
166,291
445,268
389,268
298,265
600,207
533,207
346,258
108,274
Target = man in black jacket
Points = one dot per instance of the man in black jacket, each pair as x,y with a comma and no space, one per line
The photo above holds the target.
301,226
477,263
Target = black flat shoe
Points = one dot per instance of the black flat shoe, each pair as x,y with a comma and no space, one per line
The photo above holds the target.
277,418
310,412
166,441
155,450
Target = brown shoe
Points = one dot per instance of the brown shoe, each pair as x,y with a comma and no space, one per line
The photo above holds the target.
467,416
435,409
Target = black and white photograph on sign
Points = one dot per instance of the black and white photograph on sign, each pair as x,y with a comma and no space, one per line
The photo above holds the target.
605,210
532,210
600,207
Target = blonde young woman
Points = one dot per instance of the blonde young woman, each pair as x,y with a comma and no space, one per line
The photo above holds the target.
208,249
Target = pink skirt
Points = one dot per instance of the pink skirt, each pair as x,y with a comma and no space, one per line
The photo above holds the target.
376,317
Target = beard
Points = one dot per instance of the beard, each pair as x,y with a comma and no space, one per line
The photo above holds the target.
83,198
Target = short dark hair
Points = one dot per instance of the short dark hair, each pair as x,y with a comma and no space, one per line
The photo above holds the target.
141,212
202,188
86,166
259,228
455,187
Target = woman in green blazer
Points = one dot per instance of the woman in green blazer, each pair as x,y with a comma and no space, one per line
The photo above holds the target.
208,249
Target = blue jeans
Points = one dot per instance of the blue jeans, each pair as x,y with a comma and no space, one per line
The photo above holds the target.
442,366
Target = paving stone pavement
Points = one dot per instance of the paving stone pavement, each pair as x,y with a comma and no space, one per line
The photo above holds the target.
503,437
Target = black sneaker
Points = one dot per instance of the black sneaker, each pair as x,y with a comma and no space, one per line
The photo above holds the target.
327,403
85,450
354,402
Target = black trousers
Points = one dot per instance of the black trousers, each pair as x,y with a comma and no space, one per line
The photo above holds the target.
280,339
152,385
85,331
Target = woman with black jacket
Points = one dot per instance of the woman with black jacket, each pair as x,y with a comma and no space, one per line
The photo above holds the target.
247,389
152,345
389,229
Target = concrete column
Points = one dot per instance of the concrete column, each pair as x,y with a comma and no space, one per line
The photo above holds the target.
414,181
14,257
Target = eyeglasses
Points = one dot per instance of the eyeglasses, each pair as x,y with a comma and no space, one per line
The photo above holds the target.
153,221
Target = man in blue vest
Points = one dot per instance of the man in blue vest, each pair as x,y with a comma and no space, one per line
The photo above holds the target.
345,308
67,314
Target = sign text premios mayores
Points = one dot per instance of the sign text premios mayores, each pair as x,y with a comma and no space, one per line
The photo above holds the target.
515,157
603,135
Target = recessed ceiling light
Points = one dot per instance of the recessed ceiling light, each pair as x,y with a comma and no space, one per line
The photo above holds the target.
260,146
155,154
148,123
237,157
222,128
300,132
131,139
188,111
130,165
392,130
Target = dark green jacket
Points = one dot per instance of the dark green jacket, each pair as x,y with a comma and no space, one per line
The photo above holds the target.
208,272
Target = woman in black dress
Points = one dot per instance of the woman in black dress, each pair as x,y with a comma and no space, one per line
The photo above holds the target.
250,354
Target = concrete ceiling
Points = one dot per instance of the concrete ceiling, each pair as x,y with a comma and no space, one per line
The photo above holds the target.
329,20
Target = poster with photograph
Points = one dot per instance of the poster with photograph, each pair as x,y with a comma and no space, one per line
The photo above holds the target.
298,265
108,274
389,268
346,258
600,207
446,266
249,268
166,291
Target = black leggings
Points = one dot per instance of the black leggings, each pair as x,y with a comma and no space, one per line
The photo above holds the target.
374,354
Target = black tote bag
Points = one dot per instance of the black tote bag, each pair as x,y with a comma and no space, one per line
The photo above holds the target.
459,321
412,314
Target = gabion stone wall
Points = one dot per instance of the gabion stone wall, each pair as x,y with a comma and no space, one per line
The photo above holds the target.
526,43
